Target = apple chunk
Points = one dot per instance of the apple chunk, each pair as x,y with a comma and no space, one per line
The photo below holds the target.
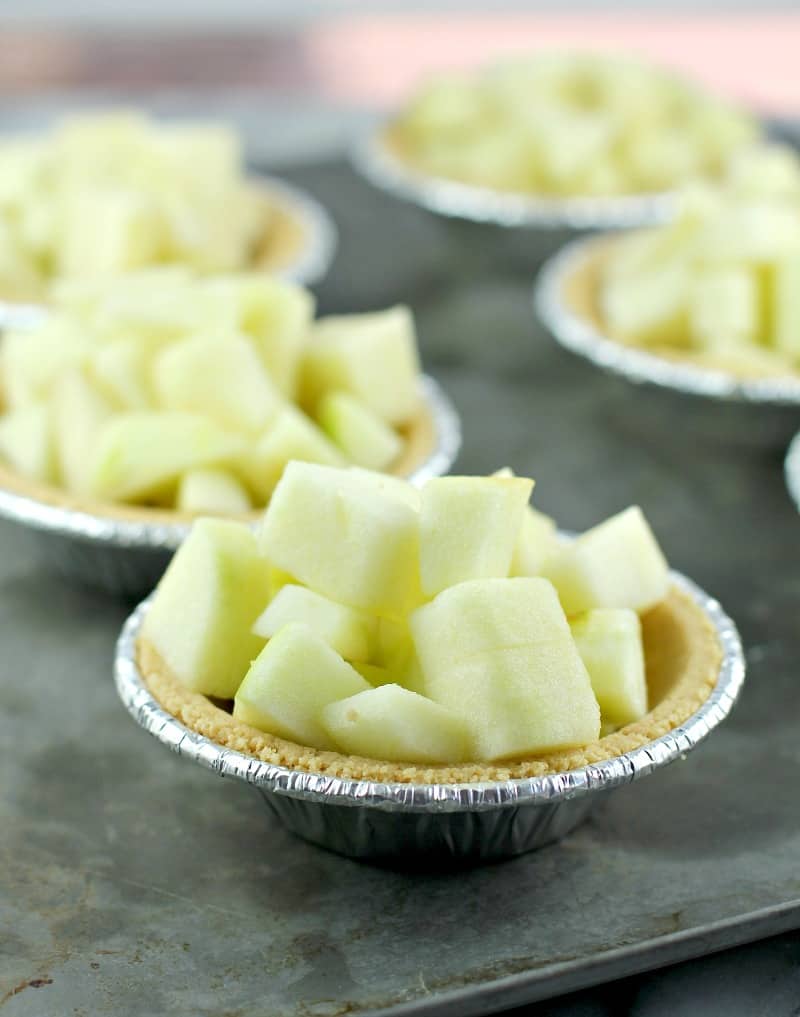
347,630
390,722
615,564
203,609
371,356
213,492
344,537
360,433
499,654
294,677
610,644
468,528
26,442
136,453
79,414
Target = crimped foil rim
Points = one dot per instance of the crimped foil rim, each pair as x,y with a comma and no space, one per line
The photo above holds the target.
320,241
129,533
580,336
792,470
428,798
376,162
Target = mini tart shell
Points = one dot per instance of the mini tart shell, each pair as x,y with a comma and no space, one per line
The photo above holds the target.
581,295
683,657
419,441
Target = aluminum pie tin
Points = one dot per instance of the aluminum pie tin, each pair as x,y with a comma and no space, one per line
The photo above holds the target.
127,556
374,159
792,470
582,336
306,266
431,824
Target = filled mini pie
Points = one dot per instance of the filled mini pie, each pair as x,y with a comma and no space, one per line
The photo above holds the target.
446,636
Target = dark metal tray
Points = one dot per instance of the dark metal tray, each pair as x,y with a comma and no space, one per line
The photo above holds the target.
132,882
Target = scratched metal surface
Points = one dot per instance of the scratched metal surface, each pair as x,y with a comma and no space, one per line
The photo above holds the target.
132,882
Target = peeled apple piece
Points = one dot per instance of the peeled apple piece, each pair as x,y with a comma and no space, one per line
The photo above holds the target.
289,684
220,377
344,538
136,453
371,356
347,630
30,361
786,306
359,432
392,723
121,369
610,644
202,613
213,492
615,564
79,414
26,442
468,528
291,435
724,308
499,654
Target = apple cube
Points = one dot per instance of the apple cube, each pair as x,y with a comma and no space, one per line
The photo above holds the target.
468,528
390,722
31,360
615,564
723,307
202,613
79,415
371,356
276,316
610,644
121,370
537,542
360,433
344,538
374,673
499,654
137,453
289,684
290,436
212,492
26,442
651,308
786,306
347,630
221,377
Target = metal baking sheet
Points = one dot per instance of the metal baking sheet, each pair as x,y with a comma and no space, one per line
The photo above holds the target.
132,881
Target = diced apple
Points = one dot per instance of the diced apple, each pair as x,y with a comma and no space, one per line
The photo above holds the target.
755,231
289,684
136,453
344,538
221,377
347,630
26,442
201,616
212,492
121,369
537,542
276,316
79,414
360,433
374,674
786,306
499,654
371,356
610,644
615,564
723,308
469,527
390,722
650,309
385,483
291,435
31,360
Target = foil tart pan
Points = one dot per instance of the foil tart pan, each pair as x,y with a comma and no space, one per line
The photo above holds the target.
127,556
411,825
754,411
307,264
792,470
374,158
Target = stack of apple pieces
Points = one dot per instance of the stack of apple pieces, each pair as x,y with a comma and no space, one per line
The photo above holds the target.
192,392
721,283
103,194
440,625
568,124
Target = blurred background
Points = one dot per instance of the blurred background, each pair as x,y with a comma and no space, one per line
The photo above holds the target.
340,60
